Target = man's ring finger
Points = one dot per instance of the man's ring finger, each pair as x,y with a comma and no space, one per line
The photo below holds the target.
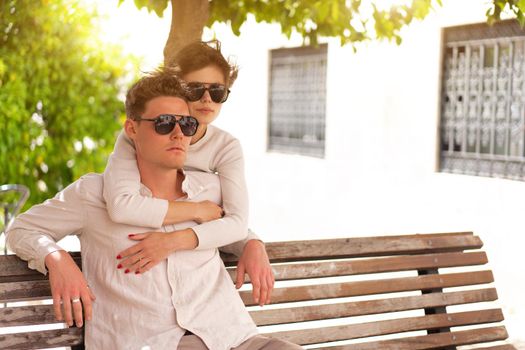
75,300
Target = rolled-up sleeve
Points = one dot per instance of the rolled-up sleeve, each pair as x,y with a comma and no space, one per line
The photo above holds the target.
35,233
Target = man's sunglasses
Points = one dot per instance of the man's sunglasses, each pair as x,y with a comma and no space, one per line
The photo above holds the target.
165,123
218,92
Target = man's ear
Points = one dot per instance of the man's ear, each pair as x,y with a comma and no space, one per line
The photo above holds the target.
130,127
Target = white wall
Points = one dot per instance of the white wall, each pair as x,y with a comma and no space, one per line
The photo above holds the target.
378,176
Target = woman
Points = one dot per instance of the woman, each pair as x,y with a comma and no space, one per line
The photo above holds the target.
209,77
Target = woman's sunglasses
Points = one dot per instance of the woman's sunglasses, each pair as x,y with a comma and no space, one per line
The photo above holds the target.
218,92
165,123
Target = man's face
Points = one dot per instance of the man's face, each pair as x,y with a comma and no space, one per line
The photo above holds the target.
159,152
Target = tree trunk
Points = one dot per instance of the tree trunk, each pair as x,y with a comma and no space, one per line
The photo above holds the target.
187,22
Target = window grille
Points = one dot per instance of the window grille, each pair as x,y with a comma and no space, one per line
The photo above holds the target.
297,100
483,101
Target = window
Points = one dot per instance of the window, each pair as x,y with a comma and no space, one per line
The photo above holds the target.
483,101
297,100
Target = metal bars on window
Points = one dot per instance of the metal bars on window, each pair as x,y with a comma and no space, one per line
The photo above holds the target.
297,100
483,106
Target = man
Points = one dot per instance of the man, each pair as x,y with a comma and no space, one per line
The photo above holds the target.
178,297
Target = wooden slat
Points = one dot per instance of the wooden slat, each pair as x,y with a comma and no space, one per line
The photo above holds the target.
27,315
373,265
366,246
431,341
376,328
370,307
42,339
17,291
349,289
496,347
15,269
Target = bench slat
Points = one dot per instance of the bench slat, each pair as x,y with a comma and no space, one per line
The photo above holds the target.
431,341
285,272
369,307
366,246
19,291
42,339
349,289
497,347
318,249
44,314
27,315
14,269
376,328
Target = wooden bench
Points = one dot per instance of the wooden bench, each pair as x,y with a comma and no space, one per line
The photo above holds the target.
393,292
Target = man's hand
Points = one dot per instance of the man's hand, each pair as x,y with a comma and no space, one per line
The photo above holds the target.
69,289
255,262
207,211
154,247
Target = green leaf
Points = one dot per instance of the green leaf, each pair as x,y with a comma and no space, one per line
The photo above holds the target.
46,100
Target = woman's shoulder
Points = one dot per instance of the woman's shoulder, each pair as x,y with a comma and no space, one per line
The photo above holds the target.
217,134
217,148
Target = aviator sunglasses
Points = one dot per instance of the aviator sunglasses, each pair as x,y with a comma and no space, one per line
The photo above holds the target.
218,92
165,123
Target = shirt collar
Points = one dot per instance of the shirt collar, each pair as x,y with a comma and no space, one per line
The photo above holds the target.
188,186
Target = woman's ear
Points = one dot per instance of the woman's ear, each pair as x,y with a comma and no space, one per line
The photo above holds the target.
130,127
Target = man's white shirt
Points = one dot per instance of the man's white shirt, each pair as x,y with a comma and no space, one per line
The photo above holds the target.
190,290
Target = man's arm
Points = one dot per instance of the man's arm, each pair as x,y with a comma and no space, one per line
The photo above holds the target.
69,289
254,261
34,236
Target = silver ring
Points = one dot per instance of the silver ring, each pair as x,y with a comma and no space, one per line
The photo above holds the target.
75,300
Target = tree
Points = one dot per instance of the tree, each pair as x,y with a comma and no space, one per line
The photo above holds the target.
352,21
59,88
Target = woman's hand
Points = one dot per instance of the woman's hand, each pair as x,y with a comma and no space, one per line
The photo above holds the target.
207,211
154,247
254,261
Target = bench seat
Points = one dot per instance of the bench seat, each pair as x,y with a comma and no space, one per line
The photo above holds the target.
423,291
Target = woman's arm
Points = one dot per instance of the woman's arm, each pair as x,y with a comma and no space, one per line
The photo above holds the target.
228,162
126,205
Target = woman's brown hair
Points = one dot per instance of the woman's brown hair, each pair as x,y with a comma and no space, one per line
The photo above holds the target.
200,54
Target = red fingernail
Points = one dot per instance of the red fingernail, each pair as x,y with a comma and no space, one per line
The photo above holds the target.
119,257
131,235
137,272
119,266
127,271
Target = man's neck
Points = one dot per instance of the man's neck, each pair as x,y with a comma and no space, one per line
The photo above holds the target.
163,183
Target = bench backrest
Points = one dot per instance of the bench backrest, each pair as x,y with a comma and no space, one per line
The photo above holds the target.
392,292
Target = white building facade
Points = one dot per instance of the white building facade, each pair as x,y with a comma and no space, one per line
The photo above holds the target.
375,165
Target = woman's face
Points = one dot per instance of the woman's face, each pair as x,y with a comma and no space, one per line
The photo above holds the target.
204,109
